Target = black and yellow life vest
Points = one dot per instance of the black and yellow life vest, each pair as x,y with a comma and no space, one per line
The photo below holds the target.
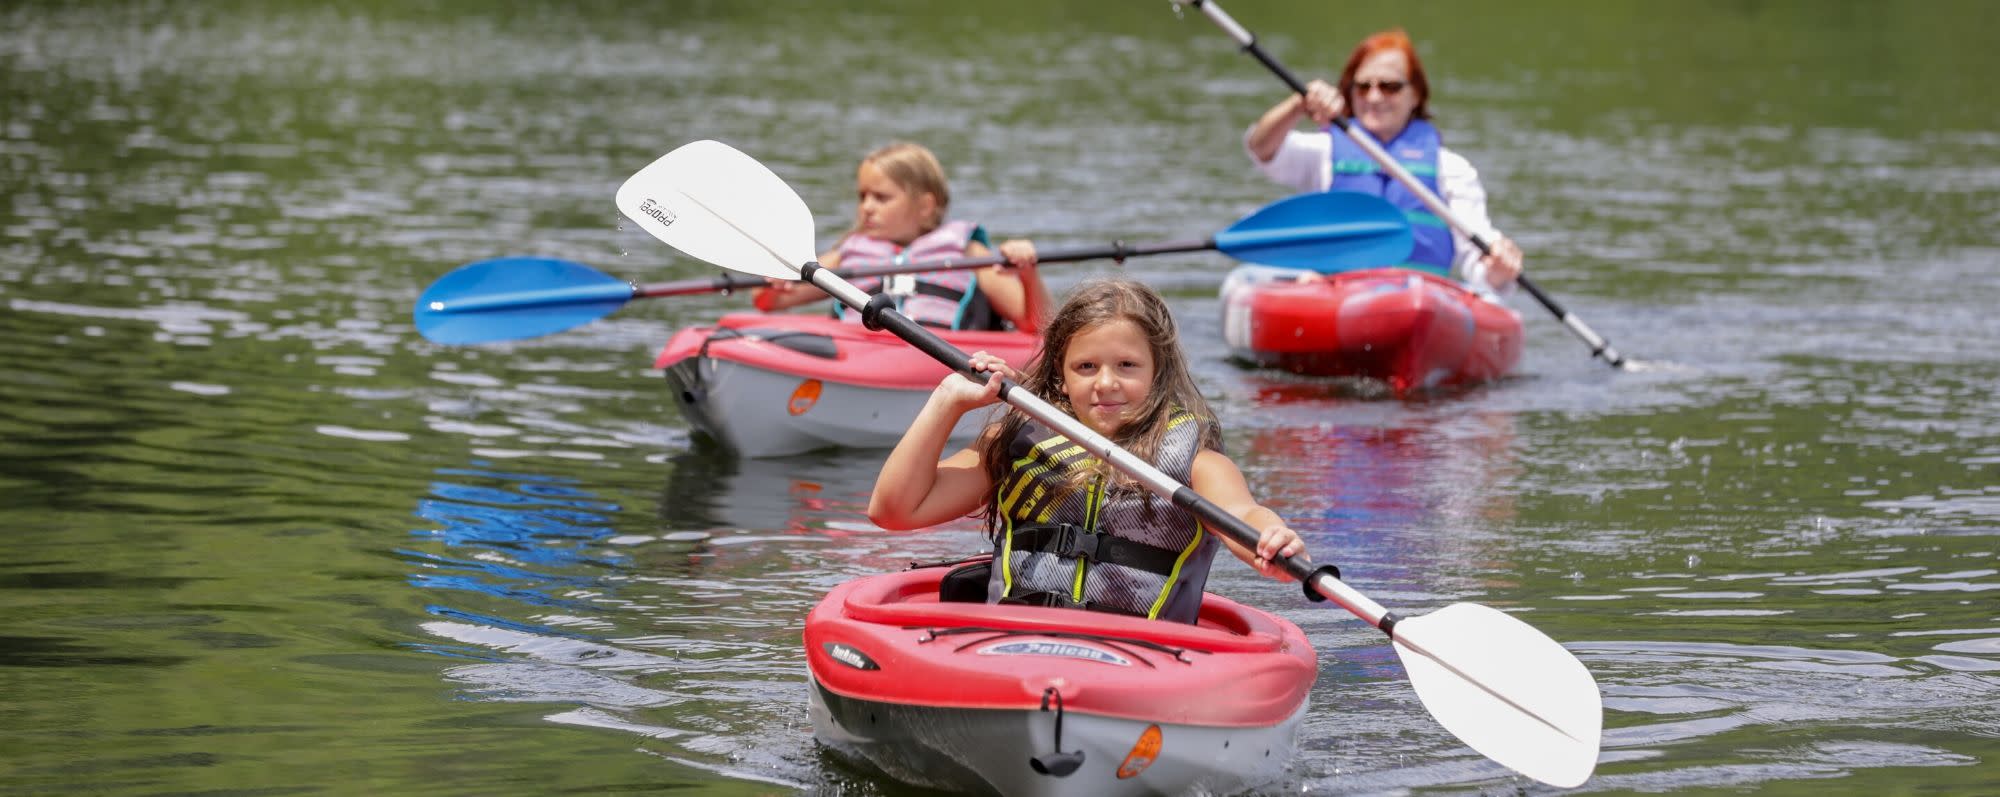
1099,546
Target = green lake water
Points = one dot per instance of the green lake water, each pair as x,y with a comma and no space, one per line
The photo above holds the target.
260,537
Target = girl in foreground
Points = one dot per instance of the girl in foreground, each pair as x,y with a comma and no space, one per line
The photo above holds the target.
1068,529
899,215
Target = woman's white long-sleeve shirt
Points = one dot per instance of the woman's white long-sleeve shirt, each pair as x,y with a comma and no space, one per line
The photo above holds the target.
1305,162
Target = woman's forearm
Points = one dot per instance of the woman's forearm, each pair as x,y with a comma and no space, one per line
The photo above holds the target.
1269,132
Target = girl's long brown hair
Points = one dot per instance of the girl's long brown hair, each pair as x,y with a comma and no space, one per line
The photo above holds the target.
1092,303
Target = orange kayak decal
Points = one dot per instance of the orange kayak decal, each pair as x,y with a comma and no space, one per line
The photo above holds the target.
1142,755
803,397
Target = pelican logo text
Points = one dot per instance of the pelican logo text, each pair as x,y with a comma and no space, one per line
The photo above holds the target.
1067,650
659,212
850,657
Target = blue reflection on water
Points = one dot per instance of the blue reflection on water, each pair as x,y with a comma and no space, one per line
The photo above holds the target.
523,535
538,521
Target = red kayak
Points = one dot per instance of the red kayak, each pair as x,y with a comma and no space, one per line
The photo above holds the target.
1026,700
771,385
1415,331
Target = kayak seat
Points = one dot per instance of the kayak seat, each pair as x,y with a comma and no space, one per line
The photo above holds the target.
807,343
966,583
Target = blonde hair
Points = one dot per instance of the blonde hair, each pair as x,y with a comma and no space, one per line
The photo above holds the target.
917,171
1097,302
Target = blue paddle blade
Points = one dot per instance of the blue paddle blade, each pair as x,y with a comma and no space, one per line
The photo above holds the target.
516,297
1327,232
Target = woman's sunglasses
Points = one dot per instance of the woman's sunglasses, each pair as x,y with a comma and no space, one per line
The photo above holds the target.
1390,88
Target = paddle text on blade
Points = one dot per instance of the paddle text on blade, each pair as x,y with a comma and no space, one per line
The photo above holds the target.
659,212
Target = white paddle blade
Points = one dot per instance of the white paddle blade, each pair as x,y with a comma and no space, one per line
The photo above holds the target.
1506,690
714,203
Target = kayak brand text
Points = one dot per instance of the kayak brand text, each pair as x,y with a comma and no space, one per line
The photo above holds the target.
1068,650
659,212
850,657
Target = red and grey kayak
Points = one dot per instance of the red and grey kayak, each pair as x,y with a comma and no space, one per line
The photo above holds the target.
772,385
1026,700
1415,331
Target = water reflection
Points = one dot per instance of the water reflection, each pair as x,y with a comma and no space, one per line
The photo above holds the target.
545,587
1407,489
810,509
681,626
821,493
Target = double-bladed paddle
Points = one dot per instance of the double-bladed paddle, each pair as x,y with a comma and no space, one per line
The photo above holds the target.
1599,347
523,297
1506,689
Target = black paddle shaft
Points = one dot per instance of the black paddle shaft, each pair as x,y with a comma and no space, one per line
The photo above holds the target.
1116,252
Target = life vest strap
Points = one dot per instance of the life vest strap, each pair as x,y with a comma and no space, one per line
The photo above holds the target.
939,291
1071,541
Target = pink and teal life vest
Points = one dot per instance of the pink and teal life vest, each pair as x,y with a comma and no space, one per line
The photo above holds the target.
946,299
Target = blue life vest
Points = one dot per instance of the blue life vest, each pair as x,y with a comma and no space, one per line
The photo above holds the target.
1416,148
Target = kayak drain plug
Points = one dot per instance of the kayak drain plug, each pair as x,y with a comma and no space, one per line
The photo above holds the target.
1058,763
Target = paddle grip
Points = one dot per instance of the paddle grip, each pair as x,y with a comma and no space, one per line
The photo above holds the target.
1332,588
1221,521
1280,70
1599,347
880,314
1307,582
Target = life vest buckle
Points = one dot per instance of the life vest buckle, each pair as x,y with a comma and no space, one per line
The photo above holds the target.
1071,541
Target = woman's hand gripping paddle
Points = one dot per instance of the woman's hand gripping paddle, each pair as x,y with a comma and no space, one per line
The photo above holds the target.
1506,689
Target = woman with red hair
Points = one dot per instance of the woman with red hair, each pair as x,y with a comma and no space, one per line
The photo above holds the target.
1383,90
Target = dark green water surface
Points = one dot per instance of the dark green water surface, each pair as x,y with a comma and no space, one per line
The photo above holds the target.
260,537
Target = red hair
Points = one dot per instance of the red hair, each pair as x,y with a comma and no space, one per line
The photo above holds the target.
1392,39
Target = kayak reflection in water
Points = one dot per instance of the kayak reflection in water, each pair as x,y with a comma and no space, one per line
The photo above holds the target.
901,201
1067,529
1383,90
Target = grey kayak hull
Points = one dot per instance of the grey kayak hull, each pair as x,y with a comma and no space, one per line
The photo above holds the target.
988,751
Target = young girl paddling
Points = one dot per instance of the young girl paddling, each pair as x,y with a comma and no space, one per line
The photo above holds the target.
1069,530
900,217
